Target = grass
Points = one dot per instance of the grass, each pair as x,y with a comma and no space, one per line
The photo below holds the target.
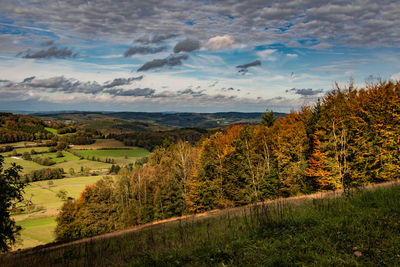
67,162
44,195
25,149
27,165
121,156
22,143
361,229
67,157
77,164
38,227
36,232
52,130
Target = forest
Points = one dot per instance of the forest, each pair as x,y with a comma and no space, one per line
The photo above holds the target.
347,139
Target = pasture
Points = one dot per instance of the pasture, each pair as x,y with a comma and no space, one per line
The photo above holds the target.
121,156
38,227
36,232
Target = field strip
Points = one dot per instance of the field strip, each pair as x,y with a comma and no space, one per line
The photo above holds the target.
63,185
236,211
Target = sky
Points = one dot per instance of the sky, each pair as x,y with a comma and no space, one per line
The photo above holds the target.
191,56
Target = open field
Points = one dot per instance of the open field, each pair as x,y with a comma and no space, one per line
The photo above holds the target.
20,144
67,157
121,156
104,144
27,165
51,130
67,162
25,149
44,195
38,227
359,229
36,232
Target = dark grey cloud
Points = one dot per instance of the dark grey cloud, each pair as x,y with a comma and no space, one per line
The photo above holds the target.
146,92
26,80
191,92
155,39
143,50
305,91
228,89
69,86
187,46
47,43
52,52
243,68
159,63
248,65
121,81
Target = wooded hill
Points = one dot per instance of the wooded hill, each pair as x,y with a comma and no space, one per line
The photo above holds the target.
349,138
165,120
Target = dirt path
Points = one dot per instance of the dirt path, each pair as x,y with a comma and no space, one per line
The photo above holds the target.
237,211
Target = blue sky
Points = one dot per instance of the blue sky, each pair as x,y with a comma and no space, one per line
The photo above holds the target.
197,56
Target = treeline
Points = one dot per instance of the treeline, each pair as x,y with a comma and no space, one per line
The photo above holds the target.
348,139
149,140
44,174
16,128
66,130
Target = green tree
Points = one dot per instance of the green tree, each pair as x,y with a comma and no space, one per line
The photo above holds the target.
11,189
268,118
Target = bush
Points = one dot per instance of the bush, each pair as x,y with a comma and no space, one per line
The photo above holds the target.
44,161
26,156
45,174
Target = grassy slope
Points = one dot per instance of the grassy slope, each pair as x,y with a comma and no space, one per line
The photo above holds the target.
359,230
28,166
51,130
25,149
44,195
66,162
36,232
119,155
38,227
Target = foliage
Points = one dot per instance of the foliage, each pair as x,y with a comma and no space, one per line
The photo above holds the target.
44,174
11,189
15,128
268,118
348,139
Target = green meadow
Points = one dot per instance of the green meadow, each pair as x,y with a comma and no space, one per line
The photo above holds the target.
39,149
121,156
38,226
36,232
52,130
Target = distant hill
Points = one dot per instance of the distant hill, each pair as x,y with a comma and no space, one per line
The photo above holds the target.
170,120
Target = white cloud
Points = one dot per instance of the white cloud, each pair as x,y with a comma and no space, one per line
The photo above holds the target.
395,76
267,54
292,55
220,42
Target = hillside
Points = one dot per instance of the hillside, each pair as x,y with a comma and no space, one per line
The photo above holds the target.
357,229
172,120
